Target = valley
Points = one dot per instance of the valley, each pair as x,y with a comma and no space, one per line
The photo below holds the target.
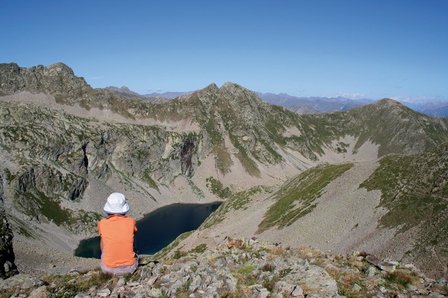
339,182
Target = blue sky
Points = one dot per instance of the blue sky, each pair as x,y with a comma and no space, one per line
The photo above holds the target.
355,48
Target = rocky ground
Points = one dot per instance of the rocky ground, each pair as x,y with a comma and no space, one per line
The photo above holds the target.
240,268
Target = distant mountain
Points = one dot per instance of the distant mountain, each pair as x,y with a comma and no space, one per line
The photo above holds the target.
122,91
310,105
388,123
440,112
167,95
437,109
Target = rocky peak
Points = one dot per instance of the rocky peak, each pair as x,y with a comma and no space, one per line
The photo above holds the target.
233,87
211,87
391,108
9,67
59,68
230,95
123,91
57,79
390,103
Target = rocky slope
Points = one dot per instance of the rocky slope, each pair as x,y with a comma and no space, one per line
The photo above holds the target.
64,146
242,268
7,256
387,123
414,193
394,208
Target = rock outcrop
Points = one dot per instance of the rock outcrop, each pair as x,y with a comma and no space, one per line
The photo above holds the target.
7,257
56,79
242,268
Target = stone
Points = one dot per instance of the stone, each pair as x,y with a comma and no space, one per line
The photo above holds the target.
27,283
297,292
356,288
152,280
132,284
371,271
121,282
154,292
40,292
7,257
283,287
388,266
259,291
411,287
211,278
103,292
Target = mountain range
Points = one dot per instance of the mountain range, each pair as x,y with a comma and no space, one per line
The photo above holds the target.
369,178
315,104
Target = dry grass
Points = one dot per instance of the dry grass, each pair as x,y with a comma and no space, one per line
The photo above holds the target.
402,277
277,250
308,253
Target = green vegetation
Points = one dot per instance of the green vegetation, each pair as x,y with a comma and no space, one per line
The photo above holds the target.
246,269
36,203
179,254
223,160
248,163
199,249
69,286
414,191
214,134
414,188
170,247
216,187
395,128
295,199
87,219
402,278
149,180
236,201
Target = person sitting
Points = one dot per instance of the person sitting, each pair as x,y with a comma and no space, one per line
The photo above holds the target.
117,237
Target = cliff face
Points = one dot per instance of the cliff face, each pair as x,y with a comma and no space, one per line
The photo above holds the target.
7,258
56,157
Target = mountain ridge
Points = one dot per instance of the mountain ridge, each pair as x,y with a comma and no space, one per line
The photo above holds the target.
61,157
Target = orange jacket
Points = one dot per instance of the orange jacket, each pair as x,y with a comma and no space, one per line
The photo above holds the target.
117,240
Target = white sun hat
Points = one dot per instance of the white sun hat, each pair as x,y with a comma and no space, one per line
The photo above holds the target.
116,204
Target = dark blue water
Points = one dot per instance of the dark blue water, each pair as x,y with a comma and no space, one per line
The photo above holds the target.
157,229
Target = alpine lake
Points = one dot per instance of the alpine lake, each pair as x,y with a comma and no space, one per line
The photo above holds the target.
157,229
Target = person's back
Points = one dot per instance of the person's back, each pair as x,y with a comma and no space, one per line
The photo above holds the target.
117,237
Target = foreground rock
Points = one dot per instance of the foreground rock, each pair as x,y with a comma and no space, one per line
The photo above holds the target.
7,257
241,268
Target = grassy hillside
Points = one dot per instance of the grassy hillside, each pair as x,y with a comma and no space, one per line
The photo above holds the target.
387,123
415,193
296,198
